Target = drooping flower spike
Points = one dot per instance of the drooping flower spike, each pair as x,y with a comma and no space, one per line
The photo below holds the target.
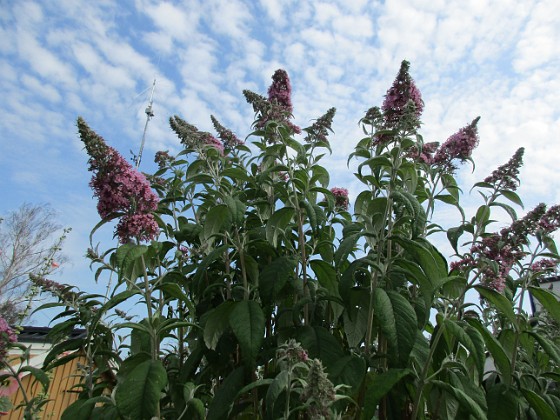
122,190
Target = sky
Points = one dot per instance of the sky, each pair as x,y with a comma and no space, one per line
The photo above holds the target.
60,59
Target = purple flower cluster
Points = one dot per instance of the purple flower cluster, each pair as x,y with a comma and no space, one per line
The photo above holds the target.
459,146
544,265
400,95
7,337
121,190
341,200
507,176
508,246
163,159
280,91
229,140
320,129
425,154
278,107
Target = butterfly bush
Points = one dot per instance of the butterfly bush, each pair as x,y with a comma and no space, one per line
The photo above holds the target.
122,191
257,248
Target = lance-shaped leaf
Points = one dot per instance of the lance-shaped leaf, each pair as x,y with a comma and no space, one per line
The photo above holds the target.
138,395
471,339
218,219
225,395
463,398
274,277
377,385
397,320
543,410
548,300
217,323
129,263
278,223
247,322
497,352
499,301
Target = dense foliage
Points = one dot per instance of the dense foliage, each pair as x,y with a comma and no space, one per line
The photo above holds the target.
269,295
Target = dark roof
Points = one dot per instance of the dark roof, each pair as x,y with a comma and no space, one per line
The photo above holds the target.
31,334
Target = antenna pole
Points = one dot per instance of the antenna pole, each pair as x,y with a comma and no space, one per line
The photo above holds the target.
149,115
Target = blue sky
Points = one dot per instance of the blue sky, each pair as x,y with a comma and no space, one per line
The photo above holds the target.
62,58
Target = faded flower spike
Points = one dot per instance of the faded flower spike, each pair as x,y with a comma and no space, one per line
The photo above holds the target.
229,140
402,92
459,146
507,176
320,129
122,190
191,137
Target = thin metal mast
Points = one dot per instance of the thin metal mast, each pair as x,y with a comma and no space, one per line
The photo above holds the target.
149,115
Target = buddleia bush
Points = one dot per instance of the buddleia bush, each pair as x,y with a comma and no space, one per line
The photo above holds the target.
271,292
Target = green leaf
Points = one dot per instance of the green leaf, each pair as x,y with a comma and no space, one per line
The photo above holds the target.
513,197
82,409
378,385
217,323
39,375
326,275
221,404
543,410
217,219
499,301
275,389
311,214
548,300
58,349
498,353
248,323
465,400
278,223
471,339
320,343
138,395
482,215
129,261
274,277
397,320
236,174
427,256
237,210
549,347
349,370
345,248
502,402
453,235
355,327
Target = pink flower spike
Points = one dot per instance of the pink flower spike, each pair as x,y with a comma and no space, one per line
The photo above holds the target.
341,200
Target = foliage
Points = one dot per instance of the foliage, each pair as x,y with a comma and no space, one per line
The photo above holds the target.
266,297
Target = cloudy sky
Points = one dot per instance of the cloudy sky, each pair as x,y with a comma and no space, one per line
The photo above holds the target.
62,58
